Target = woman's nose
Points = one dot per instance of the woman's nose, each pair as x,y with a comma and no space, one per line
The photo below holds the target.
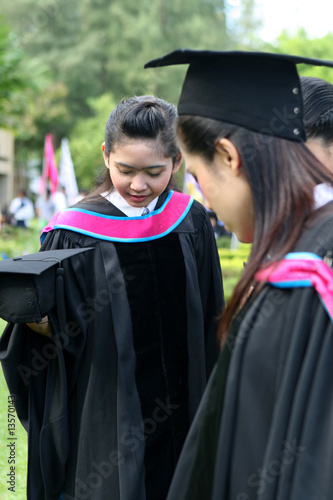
138,183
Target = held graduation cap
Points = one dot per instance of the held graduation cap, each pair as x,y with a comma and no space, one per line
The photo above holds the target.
32,285
256,90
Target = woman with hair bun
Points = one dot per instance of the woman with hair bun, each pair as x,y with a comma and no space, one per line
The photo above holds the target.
107,417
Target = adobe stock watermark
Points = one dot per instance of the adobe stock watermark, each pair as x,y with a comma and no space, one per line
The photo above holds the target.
281,119
131,440
264,476
11,445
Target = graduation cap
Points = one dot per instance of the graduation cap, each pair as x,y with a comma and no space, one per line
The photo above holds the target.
31,285
257,90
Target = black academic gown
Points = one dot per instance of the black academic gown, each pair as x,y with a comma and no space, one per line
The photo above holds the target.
108,403
264,428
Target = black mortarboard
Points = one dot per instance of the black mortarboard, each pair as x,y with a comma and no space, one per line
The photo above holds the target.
31,285
257,90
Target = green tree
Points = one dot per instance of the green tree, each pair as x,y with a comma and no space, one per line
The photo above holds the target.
86,140
148,29
302,45
12,78
23,83
31,115
97,47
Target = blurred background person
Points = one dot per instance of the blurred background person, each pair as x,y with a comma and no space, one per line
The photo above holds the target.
45,208
21,210
59,200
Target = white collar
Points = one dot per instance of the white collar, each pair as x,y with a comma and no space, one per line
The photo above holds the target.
323,193
118,201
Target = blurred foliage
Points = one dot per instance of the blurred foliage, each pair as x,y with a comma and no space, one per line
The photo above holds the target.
16,72
94,48
34,114
98,46
65,64
16,241
302,45
87,138
8,74
232,263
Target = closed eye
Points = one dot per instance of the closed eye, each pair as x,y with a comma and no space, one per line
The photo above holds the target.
128,172
153,175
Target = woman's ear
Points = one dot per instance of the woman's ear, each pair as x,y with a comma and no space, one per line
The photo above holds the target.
229,155
106,159
177,162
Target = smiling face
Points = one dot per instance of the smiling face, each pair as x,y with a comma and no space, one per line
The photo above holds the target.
139,171
225,186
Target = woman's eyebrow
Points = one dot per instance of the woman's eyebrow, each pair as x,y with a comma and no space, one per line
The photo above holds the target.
130,166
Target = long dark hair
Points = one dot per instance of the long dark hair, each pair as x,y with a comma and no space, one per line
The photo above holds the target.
318,109
143,118
281,174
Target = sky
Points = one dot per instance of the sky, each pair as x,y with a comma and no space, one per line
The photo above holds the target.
316,16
